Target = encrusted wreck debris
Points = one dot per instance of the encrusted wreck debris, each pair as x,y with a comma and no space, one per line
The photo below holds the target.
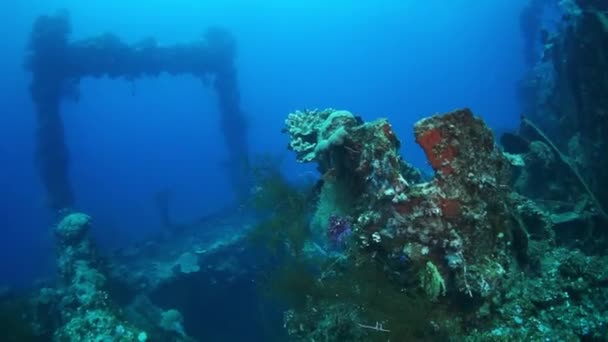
458,221
58,64
464,242
159,290
87,312
564,94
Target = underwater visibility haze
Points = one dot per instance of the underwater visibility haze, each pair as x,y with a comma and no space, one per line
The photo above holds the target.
304,170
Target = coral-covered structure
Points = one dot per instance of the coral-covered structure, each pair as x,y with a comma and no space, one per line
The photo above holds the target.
564,94
186,287
359,161
58,64
458,221
463,240
88,313
468,229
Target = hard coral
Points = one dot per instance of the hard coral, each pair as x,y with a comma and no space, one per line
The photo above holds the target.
312,132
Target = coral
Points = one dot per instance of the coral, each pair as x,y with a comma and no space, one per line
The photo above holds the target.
556,302
188,263
313,132
432,282
172,321
358,158
72,229
123,295
88,313
465,234
459,219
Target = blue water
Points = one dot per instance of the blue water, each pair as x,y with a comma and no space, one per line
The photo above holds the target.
398,59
